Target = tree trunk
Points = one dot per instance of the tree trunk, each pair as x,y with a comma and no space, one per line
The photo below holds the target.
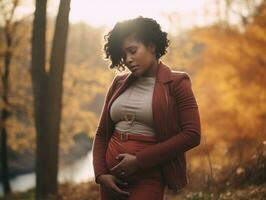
39,77
4,115
47,90
8,24
55,85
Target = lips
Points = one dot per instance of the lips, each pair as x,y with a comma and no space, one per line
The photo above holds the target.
134,68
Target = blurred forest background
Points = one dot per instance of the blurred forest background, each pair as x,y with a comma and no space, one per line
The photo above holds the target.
227,63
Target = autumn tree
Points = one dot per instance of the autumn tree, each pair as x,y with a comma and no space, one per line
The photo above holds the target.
47,90
227,65
12,37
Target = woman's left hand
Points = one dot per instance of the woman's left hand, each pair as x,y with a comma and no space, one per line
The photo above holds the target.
128,165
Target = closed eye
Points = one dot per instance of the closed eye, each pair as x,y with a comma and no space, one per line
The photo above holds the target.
130,50
133,51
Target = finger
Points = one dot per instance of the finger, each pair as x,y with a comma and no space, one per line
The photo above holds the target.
119,181
115,167
120,156
119,191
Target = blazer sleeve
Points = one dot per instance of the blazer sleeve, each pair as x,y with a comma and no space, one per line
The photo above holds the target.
99,143
189,122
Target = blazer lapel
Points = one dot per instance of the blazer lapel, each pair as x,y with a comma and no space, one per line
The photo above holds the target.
160,102
120,88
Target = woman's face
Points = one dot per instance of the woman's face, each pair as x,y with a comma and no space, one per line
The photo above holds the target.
138,58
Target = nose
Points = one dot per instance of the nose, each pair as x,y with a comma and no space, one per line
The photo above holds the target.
128,60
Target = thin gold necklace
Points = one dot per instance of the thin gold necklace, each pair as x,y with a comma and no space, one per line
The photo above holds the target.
130,116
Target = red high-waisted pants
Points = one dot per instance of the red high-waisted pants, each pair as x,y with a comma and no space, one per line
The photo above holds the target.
142,185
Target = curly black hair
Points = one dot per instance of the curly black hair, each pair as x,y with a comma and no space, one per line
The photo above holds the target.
144,29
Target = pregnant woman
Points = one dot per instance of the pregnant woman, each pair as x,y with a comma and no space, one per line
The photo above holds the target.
149,120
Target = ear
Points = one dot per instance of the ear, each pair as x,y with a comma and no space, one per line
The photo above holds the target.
152,47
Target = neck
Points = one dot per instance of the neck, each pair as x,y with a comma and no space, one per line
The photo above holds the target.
152,70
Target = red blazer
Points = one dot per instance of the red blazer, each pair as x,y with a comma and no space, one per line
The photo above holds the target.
176,123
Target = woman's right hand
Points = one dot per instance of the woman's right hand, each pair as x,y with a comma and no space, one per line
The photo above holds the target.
110,183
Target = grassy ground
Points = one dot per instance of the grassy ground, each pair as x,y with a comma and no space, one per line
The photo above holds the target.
89,191
240,182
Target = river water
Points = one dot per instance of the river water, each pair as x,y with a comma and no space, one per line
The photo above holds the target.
80,171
